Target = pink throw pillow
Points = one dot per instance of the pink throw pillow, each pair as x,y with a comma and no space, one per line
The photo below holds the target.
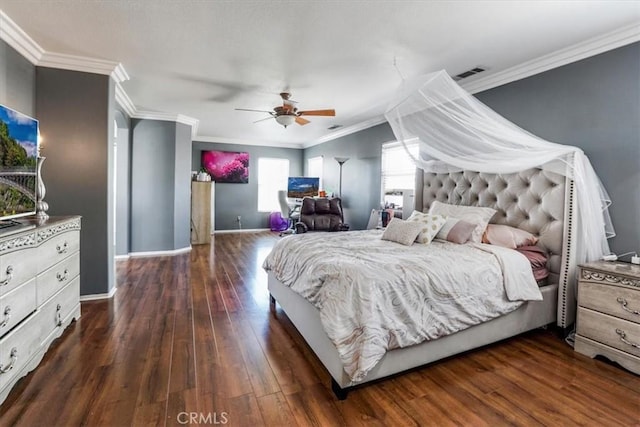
508,237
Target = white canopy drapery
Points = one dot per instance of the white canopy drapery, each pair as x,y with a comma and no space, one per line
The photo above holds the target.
458,132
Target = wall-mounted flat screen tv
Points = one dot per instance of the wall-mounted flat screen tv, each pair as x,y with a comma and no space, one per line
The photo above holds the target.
18,154
299,187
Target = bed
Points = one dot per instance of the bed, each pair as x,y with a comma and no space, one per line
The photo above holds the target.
534,200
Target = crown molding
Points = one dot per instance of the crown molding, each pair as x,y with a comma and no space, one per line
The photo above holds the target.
574,53
124,101
238,141
84,64
15,37
168,117
588,48
347,131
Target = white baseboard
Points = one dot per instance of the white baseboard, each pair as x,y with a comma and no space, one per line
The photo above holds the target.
93,297
243,230
122,257
159,253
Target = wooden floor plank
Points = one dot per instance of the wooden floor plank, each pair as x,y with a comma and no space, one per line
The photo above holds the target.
193,336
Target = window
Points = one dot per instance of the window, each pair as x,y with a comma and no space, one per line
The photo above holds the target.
314,168
272,177
398,170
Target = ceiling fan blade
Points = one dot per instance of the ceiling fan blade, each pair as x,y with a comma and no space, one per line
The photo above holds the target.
257,111
301,121
262,120
317,113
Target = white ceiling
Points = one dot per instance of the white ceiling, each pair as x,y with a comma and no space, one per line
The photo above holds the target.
202,59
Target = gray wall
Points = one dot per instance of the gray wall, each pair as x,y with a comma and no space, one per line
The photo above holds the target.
17,81
160,185
75,113
232,200
593,104
361,181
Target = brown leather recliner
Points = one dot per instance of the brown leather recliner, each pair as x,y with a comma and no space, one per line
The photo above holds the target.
321,215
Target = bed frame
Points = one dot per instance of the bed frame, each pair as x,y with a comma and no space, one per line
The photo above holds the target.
538,201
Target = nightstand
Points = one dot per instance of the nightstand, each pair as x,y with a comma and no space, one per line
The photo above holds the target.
608,321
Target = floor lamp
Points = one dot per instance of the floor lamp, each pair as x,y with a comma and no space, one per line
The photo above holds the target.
341,161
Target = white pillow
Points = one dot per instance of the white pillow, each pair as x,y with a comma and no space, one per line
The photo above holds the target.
431,224
402,232
474,214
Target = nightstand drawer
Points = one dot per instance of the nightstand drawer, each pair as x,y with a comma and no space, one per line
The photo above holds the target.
614,300
608,330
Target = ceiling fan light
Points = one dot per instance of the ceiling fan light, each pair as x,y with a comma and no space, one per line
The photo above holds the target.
286,119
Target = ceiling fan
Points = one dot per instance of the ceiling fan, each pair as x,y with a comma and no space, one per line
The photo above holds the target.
288,113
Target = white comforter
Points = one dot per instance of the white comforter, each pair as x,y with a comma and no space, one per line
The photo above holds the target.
374,295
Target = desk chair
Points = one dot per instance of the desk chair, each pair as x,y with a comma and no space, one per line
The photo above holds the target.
288,211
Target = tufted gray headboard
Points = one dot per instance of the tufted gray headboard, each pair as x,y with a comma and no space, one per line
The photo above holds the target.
534,200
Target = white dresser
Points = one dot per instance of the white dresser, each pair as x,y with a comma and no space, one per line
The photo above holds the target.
39,292
608,322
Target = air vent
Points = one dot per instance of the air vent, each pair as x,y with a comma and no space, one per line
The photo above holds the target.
334,127
469,73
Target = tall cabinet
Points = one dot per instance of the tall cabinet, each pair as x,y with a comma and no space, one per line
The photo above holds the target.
202,209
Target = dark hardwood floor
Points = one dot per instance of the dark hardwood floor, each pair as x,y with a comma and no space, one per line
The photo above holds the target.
193,336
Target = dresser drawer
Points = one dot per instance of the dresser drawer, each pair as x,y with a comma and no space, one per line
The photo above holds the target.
57,248
16,268
17,348
52,315
16,305
614,300
608,330
57,277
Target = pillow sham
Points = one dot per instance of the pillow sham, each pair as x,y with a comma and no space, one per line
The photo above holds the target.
402,232
456,230
431,224
479,216
507,236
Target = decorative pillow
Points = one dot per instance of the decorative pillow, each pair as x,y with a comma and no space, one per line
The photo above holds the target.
431,224
476,215
403,232
456,230
509,237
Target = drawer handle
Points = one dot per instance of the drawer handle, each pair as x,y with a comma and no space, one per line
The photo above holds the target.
7,316
14,359
62,249
623,338
623,302
63,276
6,281
58,315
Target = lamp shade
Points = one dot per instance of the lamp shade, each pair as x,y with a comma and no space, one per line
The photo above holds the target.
341,160
286,120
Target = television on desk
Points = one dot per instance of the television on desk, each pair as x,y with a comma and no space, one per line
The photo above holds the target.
299,187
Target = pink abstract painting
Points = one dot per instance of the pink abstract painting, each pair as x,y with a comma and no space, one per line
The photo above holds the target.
227,166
